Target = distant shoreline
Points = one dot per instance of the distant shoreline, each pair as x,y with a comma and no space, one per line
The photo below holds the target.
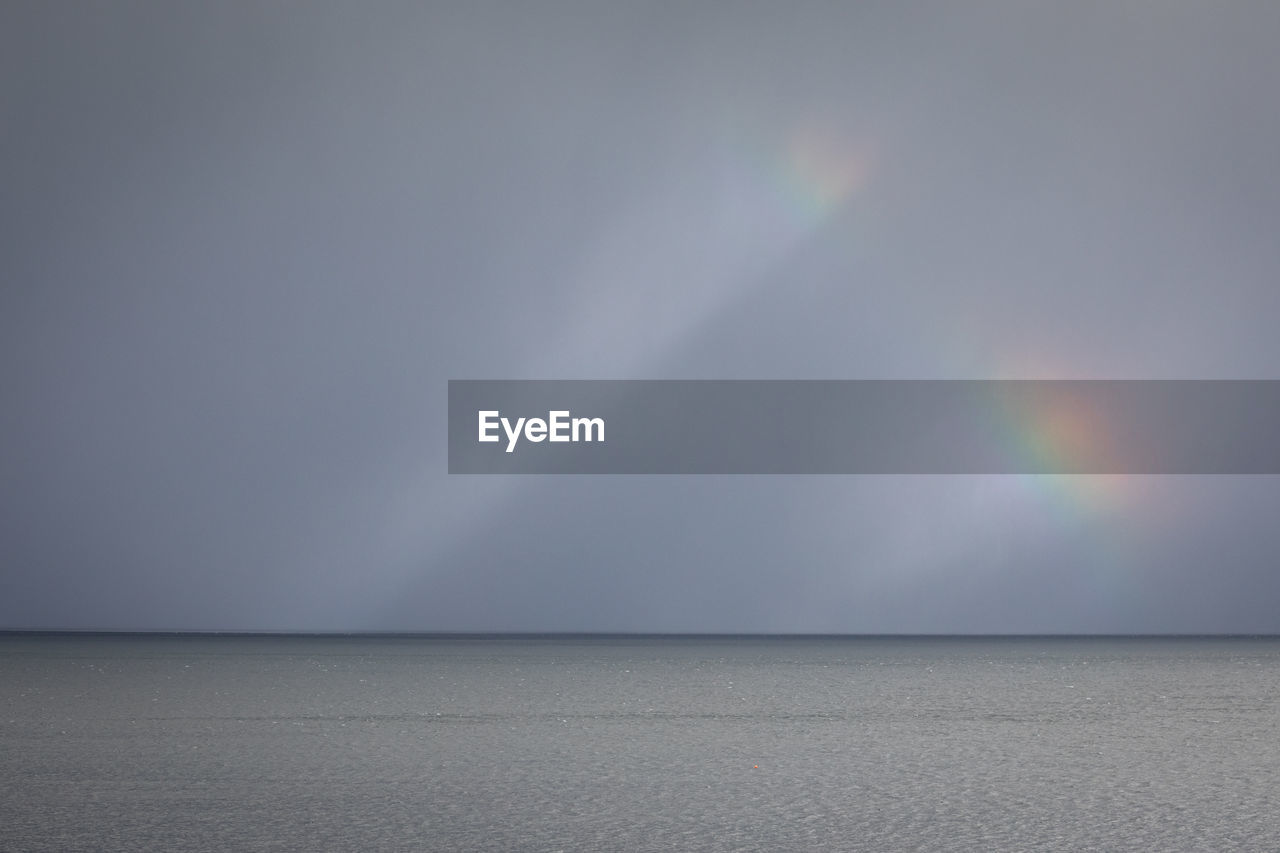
584,635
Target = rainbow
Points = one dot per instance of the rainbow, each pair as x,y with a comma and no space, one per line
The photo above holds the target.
817,172
822,171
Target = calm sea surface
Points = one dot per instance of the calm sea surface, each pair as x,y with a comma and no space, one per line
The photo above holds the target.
312,744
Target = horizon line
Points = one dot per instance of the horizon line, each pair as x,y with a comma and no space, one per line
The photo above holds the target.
533,635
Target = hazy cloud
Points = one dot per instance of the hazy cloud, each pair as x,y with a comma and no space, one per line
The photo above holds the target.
245,247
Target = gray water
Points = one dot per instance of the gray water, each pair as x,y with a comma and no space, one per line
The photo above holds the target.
225,743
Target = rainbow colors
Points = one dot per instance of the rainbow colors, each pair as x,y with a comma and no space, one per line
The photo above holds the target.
822,170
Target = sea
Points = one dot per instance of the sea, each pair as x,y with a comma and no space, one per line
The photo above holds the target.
638,743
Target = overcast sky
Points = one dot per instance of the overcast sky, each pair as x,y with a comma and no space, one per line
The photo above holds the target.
243,246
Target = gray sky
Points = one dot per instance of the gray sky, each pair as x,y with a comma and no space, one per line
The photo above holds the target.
246,245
